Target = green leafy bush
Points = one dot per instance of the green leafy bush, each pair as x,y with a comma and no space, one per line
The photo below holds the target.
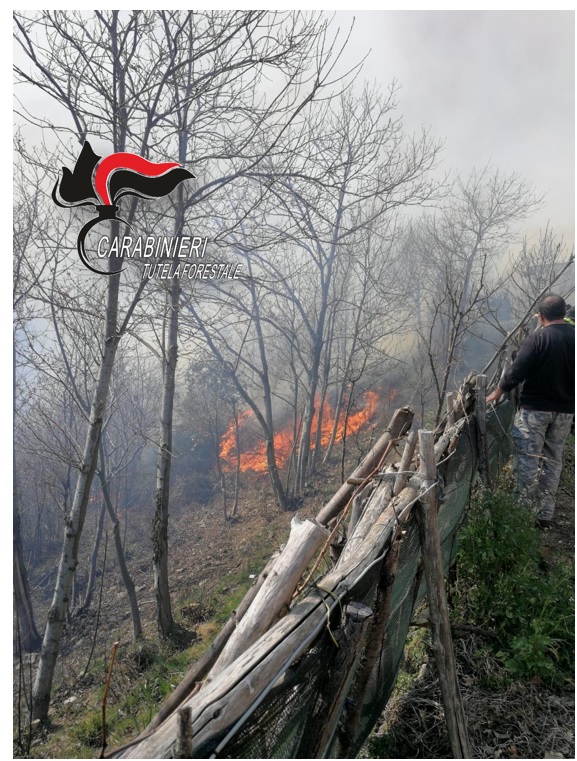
502,587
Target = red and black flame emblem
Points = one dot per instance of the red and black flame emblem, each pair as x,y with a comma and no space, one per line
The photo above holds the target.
101,182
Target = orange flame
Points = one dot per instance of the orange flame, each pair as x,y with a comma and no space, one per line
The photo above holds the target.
253,457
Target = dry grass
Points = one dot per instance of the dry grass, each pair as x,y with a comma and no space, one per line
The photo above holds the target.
519,720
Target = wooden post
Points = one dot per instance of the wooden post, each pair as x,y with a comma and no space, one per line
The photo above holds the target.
183,747
481,415
408,452
450,409
438,608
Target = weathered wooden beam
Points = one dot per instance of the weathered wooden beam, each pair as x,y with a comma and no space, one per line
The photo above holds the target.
273,598
449,438
378,501
234,692
204,664
400,422
406,459
359,503
183,747
426,513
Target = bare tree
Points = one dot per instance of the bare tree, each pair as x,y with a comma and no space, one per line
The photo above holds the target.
82,66
455,256
26,220
309,259
537,267
360,166
230,73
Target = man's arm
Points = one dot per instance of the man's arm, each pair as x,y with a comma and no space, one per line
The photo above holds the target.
495,395
519,370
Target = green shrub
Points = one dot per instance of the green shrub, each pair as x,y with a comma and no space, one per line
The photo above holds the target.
502,587
88,731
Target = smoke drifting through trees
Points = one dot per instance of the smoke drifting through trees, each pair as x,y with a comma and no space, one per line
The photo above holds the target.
304,179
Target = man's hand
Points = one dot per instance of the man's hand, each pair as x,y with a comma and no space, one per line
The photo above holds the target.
495,396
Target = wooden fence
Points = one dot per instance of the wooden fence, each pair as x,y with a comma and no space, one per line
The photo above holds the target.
306,664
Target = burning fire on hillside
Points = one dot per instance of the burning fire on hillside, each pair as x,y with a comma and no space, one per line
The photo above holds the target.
253,456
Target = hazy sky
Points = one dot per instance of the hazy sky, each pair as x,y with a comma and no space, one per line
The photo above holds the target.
497,86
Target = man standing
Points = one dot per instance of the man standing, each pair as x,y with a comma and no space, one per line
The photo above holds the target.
545,365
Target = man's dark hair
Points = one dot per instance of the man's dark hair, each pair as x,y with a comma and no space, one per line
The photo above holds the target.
552,307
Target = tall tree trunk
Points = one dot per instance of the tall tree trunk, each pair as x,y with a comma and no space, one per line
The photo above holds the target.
338,403
164,619
92,574
345,423
237,467
121,557
455,327
292,461
318,342
29,638
305,440
221,473
319,432
75,519
316,455
346,374
267,400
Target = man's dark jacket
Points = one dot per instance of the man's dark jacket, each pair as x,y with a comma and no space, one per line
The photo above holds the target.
546,363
